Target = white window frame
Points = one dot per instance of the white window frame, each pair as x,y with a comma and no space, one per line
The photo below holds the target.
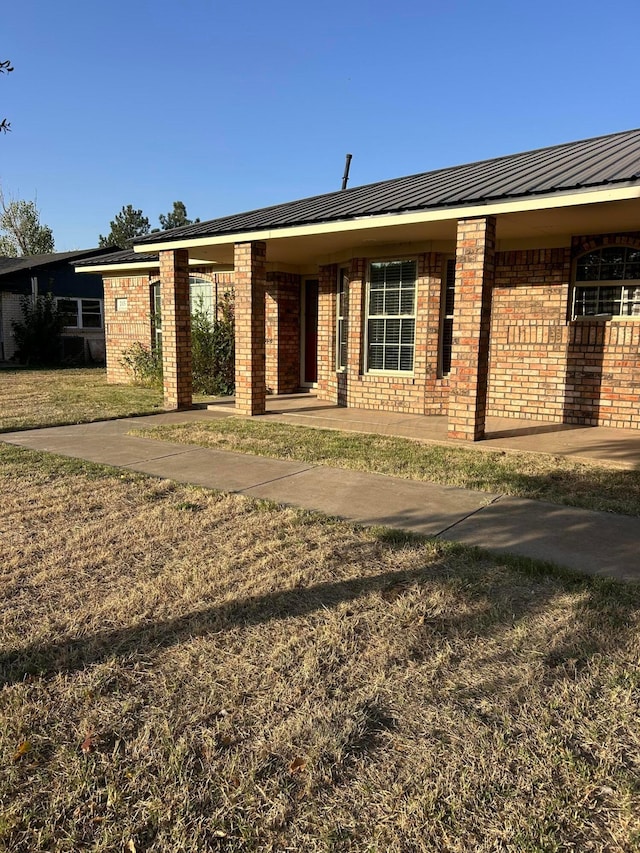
342,309
624,299
79,300
210,306
377,371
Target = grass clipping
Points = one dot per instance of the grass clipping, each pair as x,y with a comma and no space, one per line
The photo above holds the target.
183,670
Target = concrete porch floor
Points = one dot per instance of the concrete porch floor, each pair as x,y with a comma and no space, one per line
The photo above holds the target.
614,447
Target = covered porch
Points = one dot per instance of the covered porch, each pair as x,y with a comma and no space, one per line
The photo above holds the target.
518,359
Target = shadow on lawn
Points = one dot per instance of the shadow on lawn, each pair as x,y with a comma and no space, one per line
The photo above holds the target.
498,598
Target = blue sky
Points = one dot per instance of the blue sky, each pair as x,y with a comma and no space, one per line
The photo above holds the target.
233,106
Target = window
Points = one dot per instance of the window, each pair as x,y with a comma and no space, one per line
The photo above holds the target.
341,319
607,283
391,318
203,298
448,302
156,317
81,313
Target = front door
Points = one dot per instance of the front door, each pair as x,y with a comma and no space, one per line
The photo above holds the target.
309,332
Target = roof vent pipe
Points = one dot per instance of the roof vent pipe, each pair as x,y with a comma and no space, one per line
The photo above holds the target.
345,177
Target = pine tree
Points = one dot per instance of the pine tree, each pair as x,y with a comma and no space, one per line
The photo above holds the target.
128,225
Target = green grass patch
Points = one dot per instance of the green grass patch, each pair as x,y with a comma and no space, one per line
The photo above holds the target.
529,475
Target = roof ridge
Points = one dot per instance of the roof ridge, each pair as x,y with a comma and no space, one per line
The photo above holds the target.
149,238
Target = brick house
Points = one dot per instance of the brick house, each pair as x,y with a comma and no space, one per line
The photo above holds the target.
508,287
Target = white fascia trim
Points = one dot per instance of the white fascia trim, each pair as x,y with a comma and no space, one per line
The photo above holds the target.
132,267
439,215
138,266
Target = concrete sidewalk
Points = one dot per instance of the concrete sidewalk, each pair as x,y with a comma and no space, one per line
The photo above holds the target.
591,542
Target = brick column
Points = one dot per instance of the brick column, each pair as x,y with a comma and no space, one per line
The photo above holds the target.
355,320
327,285
176,329
250,282
475,270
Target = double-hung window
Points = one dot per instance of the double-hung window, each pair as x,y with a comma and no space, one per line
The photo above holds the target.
81,313
607,283
391,316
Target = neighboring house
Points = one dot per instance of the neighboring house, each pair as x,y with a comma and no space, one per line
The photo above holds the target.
79,297
506,287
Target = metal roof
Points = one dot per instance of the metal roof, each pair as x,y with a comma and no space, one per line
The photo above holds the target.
123,256
10,266
572,166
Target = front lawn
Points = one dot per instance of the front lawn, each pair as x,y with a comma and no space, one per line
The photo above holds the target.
35,398
529,475
182,670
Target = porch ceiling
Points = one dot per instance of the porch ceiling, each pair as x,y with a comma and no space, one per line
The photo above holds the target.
519,229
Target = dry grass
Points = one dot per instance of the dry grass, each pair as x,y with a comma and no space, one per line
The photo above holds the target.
35,398
529,475
183,670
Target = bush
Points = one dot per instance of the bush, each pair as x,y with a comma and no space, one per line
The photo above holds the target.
212,353
145,366
39,335
213,349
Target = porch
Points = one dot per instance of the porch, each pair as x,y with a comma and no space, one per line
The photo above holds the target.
605,445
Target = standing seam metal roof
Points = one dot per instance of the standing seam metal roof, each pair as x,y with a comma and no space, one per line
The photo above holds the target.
584,164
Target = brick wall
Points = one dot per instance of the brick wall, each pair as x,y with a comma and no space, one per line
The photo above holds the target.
436,392
124,328
282,332
544,366
529,334
391,392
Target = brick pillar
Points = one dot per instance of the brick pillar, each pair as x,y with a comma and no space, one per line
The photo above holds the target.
327,285
250,282
355,320
475,269
176,329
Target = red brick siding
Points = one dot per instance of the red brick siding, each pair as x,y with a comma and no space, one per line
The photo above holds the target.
329,379
475,270
353,387
544,366
124,328
250,286
436,395
529,334
282,332
176,329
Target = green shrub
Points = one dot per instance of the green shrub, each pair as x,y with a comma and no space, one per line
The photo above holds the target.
39,335
145,366
213,349
212,353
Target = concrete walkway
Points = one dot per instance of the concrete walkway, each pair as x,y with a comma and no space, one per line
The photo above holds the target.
592,542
